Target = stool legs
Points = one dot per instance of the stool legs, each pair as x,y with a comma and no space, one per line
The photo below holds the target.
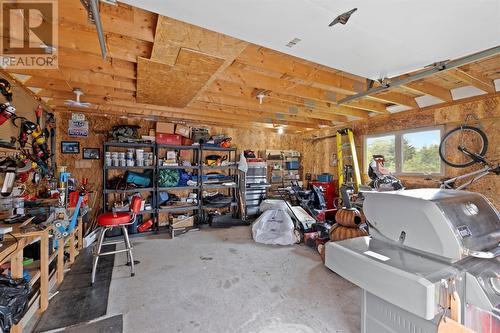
100,243
97,252
130,257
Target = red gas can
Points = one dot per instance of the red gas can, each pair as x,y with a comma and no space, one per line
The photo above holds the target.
145,226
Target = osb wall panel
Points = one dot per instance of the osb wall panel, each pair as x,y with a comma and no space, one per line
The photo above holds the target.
318,154
100,126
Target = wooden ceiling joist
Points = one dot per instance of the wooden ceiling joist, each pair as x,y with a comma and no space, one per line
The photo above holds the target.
334,80
237,90
473,79
76,77
211,78
271,106
253,79
427,88
119,19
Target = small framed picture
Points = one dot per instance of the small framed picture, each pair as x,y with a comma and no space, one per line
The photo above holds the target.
91,153
70,147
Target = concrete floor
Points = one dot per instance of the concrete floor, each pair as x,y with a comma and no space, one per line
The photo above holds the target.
219,280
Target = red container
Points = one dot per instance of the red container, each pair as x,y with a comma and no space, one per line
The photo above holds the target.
73,199
172,139
168,139
329,191
145,226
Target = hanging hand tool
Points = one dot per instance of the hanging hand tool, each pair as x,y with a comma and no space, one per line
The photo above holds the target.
6,89
7,111
25,130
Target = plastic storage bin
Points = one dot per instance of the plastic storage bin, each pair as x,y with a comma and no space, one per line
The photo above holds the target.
293,165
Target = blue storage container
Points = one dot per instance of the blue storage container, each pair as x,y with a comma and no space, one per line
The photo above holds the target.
293,165
325,177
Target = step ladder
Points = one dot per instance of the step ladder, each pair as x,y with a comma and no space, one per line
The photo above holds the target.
348,174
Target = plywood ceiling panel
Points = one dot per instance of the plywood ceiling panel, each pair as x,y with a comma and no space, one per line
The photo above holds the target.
163,84
172,35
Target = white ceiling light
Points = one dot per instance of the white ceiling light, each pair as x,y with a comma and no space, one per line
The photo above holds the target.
78,92
280,130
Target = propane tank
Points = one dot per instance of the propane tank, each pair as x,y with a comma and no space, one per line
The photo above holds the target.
6,112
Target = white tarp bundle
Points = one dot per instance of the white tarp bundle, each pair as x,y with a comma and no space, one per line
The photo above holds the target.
274,227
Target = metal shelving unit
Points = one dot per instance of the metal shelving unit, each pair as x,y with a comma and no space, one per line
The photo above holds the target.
151,189
231,171
195,169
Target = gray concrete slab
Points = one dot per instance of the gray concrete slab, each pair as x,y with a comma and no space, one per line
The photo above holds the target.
219,280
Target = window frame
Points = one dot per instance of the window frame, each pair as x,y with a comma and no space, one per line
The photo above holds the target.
398,149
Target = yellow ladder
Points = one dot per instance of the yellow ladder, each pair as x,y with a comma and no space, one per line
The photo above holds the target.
340,157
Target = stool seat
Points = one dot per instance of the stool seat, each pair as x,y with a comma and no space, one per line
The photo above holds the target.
111,219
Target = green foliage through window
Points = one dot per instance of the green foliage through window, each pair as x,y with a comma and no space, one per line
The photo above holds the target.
382,145
419,151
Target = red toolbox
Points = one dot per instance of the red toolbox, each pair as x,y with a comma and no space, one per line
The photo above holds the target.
172,139
329,191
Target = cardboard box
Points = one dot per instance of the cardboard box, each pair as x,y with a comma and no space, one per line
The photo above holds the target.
168,139
181,221
183,130
171,155
167,128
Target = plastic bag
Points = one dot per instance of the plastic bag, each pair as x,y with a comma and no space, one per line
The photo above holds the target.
14,297
272,204
274,227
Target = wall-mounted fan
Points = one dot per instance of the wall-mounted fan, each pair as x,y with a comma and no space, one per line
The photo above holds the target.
78,92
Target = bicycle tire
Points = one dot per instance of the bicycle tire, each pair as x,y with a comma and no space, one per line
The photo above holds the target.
447,135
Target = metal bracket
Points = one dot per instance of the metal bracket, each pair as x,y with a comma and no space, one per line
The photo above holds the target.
92,7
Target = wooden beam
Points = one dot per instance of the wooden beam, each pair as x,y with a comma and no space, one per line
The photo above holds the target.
11,79
279,108
159,115
61,85
75,77
234,89
239,75
69,58
394,97
211,112
332,80
473,79
427,88
120,19
80,39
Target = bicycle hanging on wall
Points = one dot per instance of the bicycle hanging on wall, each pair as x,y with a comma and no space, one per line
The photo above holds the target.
462,147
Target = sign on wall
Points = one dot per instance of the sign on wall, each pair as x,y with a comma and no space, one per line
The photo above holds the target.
78,126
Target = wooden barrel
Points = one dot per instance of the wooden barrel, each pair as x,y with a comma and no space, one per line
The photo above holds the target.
339,232
349,217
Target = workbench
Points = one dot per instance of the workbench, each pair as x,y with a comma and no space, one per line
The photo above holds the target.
39,270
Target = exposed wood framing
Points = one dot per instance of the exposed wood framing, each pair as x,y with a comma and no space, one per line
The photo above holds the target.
161,68
474,79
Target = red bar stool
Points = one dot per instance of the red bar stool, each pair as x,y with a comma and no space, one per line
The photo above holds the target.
108,221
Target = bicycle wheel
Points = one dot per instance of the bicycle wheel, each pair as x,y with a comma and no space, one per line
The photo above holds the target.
471,138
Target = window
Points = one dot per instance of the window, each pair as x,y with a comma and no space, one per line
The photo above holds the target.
407,152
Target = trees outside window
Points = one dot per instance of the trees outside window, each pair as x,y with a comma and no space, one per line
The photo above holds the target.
407,152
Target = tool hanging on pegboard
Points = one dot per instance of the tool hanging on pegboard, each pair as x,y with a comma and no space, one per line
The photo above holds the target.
348,173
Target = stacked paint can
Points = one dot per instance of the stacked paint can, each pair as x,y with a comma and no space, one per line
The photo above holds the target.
133,157
348,222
